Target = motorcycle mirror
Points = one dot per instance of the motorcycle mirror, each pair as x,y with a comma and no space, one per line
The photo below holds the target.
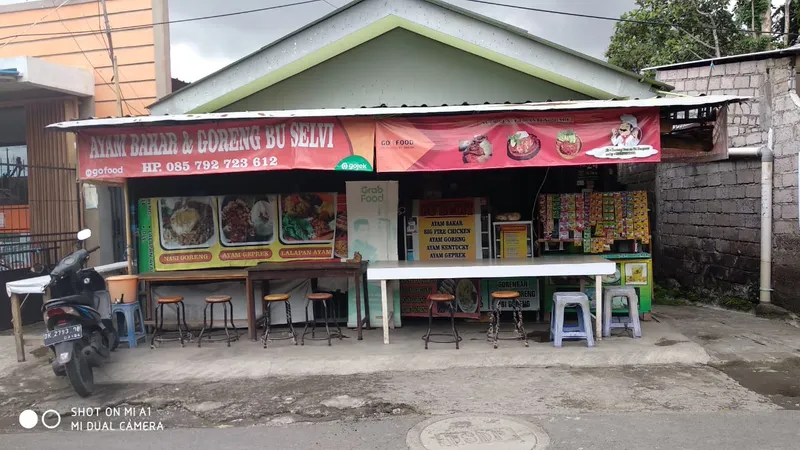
37,268
84,234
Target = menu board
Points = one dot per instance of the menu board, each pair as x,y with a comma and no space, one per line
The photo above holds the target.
447,237
447,229
513,240
242,230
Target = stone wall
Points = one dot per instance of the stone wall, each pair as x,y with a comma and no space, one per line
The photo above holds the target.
707,216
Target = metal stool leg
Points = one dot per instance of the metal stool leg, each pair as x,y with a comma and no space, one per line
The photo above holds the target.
453,321
185,326
178,316
225,322
303,336
490,333
233,325
496,314
289,321
430,322
267,323
156,329
203,330
338,327
327,329
520,326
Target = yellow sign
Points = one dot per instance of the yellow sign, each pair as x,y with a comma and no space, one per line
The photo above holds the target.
513,241
450,237
241,231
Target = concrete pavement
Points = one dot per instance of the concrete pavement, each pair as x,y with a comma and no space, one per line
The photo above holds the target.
661,344
655,392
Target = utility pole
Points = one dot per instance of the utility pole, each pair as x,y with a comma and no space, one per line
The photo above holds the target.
787,10
126,196
113,59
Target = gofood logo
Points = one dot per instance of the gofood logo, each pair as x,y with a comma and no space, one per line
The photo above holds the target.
103,171
28,419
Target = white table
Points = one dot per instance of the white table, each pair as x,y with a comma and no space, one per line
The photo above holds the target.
38,285
546,266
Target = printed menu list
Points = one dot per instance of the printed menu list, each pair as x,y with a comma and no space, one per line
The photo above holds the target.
447,237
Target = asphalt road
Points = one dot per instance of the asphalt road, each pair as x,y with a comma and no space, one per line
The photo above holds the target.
634,431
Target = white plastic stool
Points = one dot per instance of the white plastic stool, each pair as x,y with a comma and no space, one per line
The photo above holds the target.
558,331
629,294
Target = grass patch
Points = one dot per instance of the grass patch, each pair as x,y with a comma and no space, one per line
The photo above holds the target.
735,303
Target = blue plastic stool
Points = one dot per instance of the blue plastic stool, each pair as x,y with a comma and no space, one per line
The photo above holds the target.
130,311
558,330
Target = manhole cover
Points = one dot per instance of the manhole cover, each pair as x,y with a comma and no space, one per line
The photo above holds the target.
477,432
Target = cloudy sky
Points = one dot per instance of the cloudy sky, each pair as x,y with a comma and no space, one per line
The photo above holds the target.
202,47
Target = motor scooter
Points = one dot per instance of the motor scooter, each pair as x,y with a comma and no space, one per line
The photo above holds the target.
80,329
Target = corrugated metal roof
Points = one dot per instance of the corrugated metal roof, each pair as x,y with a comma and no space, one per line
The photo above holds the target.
664,102
755,56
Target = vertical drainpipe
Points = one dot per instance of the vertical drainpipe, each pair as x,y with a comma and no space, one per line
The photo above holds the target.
767,159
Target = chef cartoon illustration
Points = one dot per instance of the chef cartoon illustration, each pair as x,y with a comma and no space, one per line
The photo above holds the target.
627,134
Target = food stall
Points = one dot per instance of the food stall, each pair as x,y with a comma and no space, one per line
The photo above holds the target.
462,201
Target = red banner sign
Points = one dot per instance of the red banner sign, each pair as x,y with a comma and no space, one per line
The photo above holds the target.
521,140
226,147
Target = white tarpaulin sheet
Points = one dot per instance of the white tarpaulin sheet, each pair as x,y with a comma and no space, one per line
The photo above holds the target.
37,285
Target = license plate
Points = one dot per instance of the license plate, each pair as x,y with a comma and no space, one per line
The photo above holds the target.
70,333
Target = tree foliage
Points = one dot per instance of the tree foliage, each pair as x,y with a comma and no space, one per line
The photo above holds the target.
779,22
660,32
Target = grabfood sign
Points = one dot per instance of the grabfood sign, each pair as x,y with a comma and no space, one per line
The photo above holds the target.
371,194
228,147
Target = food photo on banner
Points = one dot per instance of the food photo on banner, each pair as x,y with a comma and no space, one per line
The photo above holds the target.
240,230
522,140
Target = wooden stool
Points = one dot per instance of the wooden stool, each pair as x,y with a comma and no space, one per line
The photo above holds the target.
494,325
434,299
212,300
180,310
268,301
322,297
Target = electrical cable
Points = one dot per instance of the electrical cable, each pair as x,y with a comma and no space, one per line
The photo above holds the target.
168,22
485,2
89,61
24,33
619,19
536,201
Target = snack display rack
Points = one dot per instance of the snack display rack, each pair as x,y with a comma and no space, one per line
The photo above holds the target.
613,224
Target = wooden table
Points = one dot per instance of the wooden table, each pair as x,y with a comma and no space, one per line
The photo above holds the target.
316,269
545,266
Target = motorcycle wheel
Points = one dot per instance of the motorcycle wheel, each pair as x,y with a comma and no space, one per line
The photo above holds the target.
80,373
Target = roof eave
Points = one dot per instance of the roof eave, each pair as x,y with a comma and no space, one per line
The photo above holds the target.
213,102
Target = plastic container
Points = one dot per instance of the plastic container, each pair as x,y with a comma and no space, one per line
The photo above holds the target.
123,287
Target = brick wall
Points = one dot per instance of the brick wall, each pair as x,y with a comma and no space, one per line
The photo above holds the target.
707,221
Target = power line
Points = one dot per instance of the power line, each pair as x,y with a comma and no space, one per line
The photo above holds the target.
620,19
13,38
89,61
168,22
